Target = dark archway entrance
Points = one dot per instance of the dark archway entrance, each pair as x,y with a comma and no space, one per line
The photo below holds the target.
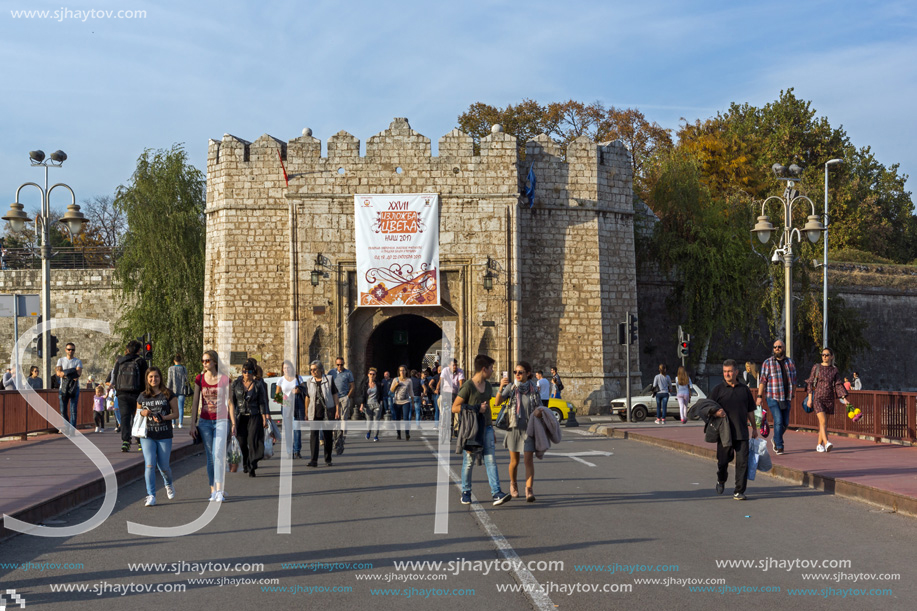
401,340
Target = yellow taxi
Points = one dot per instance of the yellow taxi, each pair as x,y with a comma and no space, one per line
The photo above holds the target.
560,408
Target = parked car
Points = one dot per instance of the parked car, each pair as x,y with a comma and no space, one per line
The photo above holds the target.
560,408
644,404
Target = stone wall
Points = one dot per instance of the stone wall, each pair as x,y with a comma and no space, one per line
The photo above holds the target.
74,294
575,257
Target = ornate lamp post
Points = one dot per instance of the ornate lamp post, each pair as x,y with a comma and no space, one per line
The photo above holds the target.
73,220
813,230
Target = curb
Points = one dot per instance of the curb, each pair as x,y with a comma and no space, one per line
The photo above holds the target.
891,501
72,499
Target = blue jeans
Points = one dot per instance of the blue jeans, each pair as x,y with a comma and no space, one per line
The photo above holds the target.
373,417
435,407
214,434
490,464
389,404
117,412
781,413
418,408
64,402
181,409
405,416
662,404
156,454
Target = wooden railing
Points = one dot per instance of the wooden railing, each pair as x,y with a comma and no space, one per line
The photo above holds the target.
886,415
18,418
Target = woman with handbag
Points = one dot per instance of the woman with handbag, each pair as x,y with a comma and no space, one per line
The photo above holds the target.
157,407
825,386
177,383
211,419
523,402
249,404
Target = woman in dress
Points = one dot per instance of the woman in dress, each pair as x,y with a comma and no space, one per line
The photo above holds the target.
159,406
293,401
683,393
212,419
524,403
403,392
177,383
249,405
824,387
661,384
371,404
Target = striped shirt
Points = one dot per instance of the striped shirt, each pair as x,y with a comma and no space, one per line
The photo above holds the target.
771,379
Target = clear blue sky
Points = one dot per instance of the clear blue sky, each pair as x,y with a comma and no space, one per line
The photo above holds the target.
104,89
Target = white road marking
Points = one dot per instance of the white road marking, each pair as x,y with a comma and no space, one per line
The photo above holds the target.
576,455
539,598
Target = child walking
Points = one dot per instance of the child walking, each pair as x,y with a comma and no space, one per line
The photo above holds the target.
98,408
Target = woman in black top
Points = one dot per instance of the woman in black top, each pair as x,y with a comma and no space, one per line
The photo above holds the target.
249,404
160,407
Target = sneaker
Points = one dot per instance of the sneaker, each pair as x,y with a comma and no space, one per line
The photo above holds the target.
118,429
179,425
778,451
170,491
297,455
738,496
213,496
828,446
720,486
218,496
501,497
150,501
126,446
376,438
819,448
466,498
311,464
328,463
367,436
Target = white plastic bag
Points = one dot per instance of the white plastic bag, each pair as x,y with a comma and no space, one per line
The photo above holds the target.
765,463
138,427
268,442
758,458
234,452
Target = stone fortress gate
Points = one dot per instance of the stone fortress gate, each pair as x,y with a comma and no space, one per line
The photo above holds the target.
562,273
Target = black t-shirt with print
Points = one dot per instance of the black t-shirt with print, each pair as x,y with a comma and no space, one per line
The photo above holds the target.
158,406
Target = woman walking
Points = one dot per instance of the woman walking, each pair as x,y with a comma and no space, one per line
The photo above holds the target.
249,405
824,387
683,388
661,385
212,420
371,403
403,392
177,383
159,406
294,409
524,403
322,403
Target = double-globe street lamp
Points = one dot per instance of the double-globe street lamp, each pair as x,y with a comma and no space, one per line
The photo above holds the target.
764,228
73,220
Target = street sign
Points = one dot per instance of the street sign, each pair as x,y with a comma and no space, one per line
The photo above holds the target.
29,305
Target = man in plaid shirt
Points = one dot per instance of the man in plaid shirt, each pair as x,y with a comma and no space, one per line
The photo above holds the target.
776,384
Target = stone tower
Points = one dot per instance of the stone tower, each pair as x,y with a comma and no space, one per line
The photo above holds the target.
563,273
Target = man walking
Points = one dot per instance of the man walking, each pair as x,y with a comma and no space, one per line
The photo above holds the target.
69,368
129,377
738,407
544,387
776,385
344,385
450,381
556,384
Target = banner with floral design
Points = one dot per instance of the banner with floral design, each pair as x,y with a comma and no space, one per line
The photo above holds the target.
397,249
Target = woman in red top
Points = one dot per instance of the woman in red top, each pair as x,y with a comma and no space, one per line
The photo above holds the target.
825,387
211,417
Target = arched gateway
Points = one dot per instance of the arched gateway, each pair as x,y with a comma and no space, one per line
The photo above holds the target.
547,283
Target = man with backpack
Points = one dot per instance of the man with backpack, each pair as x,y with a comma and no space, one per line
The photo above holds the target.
128,377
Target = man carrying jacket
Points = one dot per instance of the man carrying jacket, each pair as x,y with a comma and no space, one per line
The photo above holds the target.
738,407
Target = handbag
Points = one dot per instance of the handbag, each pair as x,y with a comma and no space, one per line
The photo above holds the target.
138,429
502,422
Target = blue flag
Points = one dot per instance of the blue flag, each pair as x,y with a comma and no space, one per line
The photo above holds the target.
529,191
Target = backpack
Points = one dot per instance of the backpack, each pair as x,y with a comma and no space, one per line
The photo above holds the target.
129,376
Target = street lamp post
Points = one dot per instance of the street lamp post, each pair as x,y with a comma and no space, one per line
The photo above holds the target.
813,230
73,220
824,268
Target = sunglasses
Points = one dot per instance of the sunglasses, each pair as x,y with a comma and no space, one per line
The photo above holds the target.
519,373
205,361
247,371
372,373
778,347
824,354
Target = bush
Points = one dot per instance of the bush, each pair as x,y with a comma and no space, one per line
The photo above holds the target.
853,255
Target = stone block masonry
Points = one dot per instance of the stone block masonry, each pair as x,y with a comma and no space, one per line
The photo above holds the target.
564,272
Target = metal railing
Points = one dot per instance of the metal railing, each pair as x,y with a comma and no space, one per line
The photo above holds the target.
72,257
886,415
18,419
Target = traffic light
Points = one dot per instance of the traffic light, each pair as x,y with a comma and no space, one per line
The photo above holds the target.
632,327
684,349
53,349
148,350
622,333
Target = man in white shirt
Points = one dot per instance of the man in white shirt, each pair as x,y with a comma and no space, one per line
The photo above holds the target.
857,382
69,368
449,384
544,387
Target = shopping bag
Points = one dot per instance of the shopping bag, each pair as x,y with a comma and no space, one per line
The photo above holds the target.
234,452
138,429
268,442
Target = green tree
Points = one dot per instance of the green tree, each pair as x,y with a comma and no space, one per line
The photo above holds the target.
161,268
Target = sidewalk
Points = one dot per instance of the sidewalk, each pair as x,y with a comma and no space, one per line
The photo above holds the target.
878,473
47,475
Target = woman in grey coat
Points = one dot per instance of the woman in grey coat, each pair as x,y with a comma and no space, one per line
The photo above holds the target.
524,403
177,383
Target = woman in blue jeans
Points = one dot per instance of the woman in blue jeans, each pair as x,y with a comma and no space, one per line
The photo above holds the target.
213,420
661,385
160,407
402,391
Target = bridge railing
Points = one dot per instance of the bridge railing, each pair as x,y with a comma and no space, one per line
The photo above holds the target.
17,418
73,257
886,415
